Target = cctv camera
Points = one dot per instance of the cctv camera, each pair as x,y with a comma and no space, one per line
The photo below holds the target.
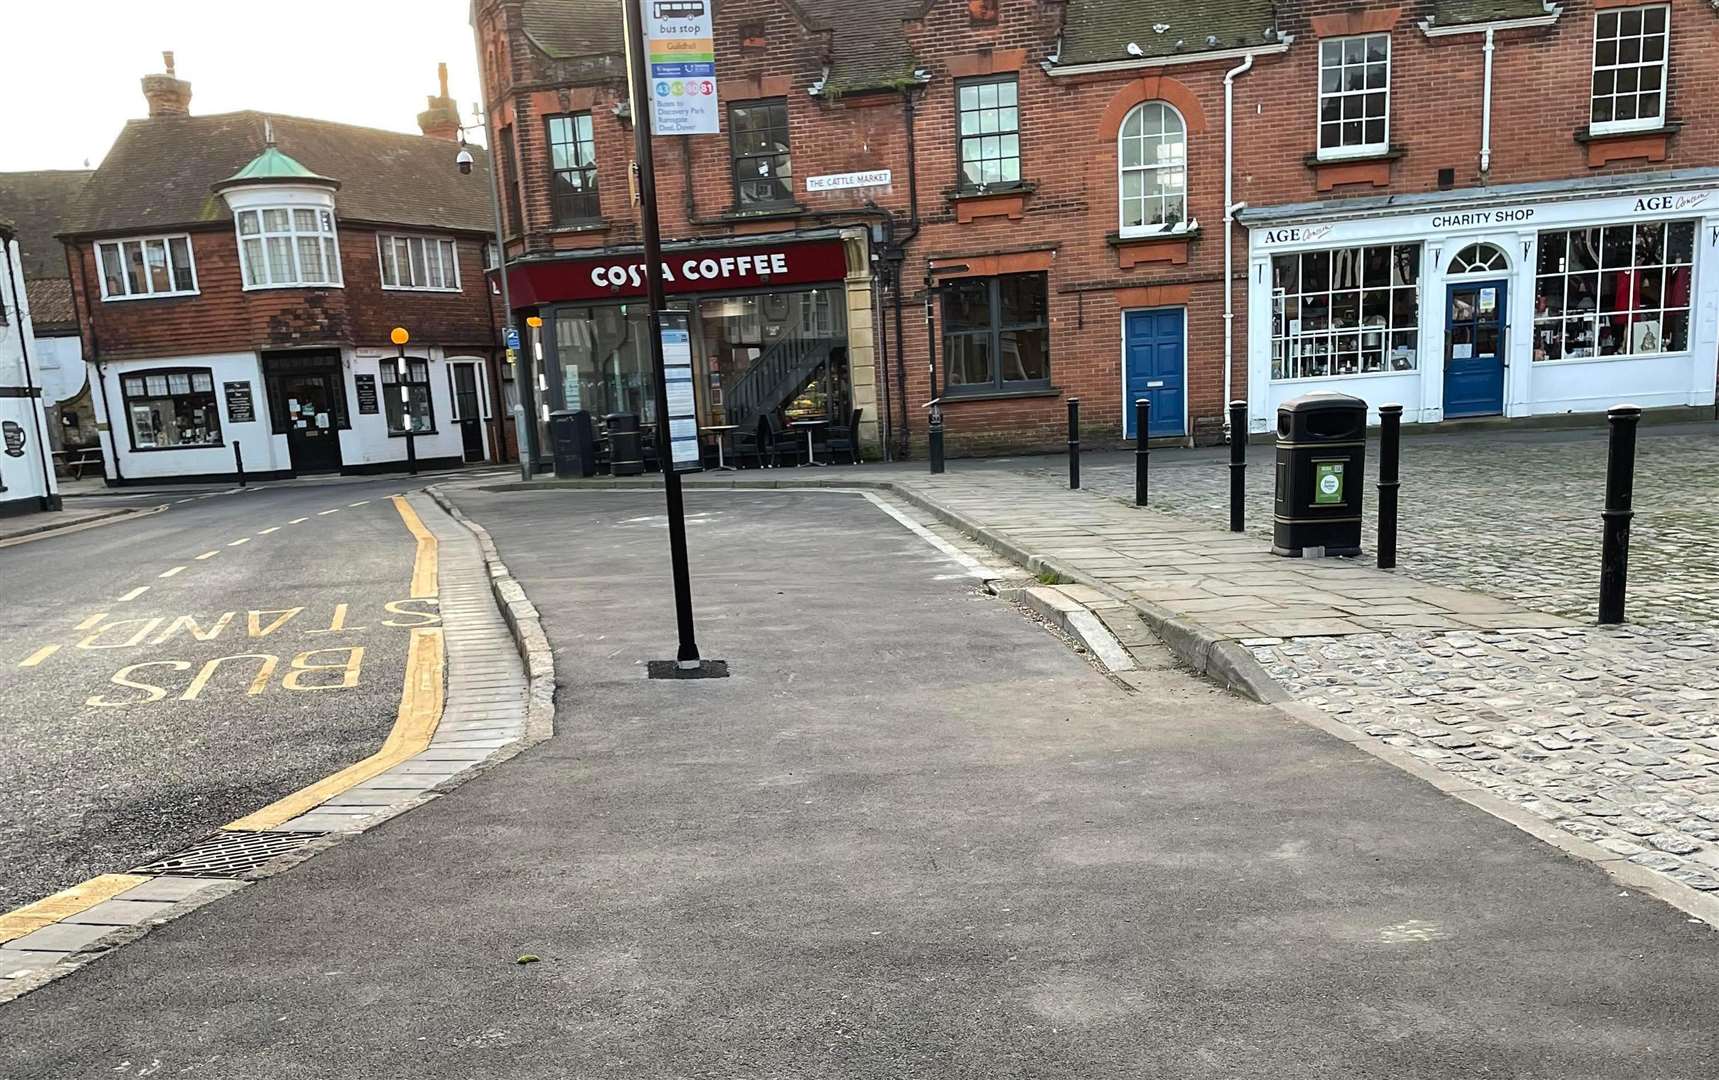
464,161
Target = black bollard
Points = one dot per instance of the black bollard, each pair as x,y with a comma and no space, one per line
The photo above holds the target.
1073,442
1620,494
1142,426
239,462
934,433
1390,438
1238,466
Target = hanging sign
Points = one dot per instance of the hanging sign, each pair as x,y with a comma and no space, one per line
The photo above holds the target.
367,402
241,408
681,408
680,53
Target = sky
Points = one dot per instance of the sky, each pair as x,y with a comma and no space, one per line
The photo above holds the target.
69,76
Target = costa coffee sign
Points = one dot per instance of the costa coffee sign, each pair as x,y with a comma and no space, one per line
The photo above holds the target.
699,270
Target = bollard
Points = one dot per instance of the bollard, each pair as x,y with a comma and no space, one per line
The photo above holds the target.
239,462
1390,438
1620,493
935,435
1073,442
1142,426
1238,466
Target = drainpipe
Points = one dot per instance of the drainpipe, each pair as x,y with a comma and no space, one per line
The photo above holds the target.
1230,208
92,357
898,255
1486,110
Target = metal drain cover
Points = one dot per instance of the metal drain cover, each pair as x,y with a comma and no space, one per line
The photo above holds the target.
229,853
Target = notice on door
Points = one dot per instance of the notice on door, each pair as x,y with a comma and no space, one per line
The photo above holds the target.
681,408
680,50
241,409
368,404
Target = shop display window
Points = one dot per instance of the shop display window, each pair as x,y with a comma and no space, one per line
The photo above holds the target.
171,409
1614,290
417,397
996,336
1347,311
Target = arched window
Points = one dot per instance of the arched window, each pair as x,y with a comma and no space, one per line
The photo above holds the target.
1151,154
1477,258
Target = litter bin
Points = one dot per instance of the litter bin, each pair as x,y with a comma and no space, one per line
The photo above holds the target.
626,453
1321,458
574,440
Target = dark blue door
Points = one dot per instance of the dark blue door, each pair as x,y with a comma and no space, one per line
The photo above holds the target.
1154,368
1474,349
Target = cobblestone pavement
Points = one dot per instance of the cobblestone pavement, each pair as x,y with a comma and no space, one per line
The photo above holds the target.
1612,735
1515,514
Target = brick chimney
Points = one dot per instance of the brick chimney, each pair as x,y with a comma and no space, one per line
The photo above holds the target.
168,95
442,119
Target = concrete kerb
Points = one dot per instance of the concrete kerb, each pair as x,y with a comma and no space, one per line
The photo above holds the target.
523,625
50,530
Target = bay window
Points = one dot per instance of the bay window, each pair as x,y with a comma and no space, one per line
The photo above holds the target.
418,262
171,409
1346,311
287,246
1614,290
150,266
1632,47
417,401
1354,95
996,335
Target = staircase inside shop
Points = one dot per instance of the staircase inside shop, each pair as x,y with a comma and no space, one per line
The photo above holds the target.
779,374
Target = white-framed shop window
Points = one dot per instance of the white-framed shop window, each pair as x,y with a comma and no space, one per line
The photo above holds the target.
1345,311
147,266
1614,290
1152,164
286,246
1354,96
1632,53
424,263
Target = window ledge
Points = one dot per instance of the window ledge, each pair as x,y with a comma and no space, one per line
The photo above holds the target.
1332,172
1000,395
762,213
593,225
417,288
1585,135
1607,146
1019,187
1165,247
1316,159
417,434
998,200
169,449
311,285
176,294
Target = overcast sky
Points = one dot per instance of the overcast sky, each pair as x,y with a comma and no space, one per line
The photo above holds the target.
70,68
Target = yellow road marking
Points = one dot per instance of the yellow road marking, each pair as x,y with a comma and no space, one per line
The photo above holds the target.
170,573
420,711
320,513
65,903
39,655
424,567
209,554
295,521
240,540
90,622
270,529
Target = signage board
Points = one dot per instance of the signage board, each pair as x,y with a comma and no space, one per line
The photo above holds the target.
241,408
841,181
511,337
726,269
1328,483
368,404
680,55
13,433
681,409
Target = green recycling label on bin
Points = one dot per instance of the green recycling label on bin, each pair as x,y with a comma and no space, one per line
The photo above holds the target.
1327,483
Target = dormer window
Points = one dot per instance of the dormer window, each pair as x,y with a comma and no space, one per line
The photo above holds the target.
288,246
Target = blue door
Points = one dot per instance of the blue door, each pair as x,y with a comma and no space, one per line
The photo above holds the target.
1474,349
1154,368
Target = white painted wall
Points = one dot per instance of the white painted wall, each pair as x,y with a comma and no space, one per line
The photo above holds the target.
61,361
368,442
31,475
263,450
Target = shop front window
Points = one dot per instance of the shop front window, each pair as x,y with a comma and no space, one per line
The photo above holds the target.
171,409
1346,311
996,335
1614,290
781,353
604,362
417,397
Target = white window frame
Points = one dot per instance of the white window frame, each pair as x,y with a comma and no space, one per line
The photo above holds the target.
482,389
1338,153
1122,171
148,293
1652,123
328,239
447,260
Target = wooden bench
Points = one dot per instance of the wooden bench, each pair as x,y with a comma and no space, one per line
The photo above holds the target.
72,463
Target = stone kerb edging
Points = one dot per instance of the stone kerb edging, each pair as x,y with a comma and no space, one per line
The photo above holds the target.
523,623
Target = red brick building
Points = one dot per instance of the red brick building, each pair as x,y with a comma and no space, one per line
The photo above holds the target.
236,278
1468,206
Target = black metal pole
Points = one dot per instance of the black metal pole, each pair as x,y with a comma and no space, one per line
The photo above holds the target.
239,462
1390,439
1620,494
1142,425
934,429
655,301
1238,466
1073,442
406,415
934,436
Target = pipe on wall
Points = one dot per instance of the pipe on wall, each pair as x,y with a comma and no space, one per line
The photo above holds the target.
1486,109
1230,208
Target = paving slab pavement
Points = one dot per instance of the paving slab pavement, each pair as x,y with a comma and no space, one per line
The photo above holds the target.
914,835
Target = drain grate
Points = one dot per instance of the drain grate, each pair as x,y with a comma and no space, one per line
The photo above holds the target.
229,854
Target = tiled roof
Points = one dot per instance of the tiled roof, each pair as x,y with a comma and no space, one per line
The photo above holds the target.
564,29
51,303
38,203
1468,12
160,173
1099,30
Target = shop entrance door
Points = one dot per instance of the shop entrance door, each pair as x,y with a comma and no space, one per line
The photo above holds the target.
1154,367
1474,349
468,409
313,437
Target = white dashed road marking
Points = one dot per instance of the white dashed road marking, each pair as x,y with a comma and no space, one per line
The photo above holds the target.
209,554
170,573
240,540
270,529
134,594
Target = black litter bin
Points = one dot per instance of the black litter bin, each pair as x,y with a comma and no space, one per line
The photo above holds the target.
1321,458
574,439
626,453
